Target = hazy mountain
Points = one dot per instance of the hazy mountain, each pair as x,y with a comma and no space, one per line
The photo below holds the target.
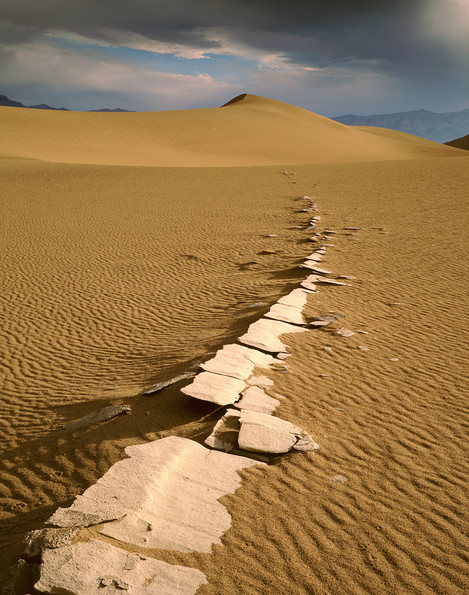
431,125
460,143
107,109
45,106
7,102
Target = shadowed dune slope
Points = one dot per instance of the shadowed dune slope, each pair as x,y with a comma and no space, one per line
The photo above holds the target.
249,130
460,143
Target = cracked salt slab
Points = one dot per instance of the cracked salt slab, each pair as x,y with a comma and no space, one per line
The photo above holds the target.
88,568
166,495
264,334
258,432
284,313
215,388
237,361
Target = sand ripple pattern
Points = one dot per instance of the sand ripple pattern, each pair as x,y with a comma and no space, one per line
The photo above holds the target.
382,507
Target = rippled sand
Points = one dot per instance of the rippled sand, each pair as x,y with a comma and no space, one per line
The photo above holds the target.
115,276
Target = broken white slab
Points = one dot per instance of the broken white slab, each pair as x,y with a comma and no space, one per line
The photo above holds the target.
264,334
166,495
97,417
344,332
285,313
314,257
215,388
327,281
258,432
255,398
95,567
260,381
310,283
310,264
225,433
271,435
161,385
295,299
319,270
39,539
237,361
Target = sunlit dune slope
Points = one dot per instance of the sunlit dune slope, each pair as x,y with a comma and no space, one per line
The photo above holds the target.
460,143
249,130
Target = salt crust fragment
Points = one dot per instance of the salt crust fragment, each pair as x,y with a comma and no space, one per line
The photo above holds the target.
95,567
166,495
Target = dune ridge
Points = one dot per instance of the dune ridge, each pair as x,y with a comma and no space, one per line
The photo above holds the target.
250,131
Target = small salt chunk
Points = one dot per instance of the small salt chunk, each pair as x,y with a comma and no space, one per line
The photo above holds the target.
344,332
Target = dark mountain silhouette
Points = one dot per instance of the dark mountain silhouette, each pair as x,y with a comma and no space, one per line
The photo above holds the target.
431,125
107,109
45,106
7,102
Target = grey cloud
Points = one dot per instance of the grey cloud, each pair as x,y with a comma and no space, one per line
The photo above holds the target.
315,33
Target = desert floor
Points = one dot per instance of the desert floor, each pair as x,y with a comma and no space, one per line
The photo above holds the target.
125,269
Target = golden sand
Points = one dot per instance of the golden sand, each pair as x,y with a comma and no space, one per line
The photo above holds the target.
116,276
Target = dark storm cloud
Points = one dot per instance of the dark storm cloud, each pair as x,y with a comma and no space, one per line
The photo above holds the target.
416,48
300,29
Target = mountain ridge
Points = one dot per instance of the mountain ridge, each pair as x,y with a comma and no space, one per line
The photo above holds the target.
7,102
439,127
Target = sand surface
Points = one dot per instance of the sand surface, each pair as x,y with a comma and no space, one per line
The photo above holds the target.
115,277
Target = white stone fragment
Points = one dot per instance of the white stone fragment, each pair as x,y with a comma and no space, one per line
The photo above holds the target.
97,417
264,334
256,431
285,313
225,433
295,299
260,381
237,361
161,385
255,398
315,257
39,539
166,495
271,435
320,270
215,388
309,285
309,264
87,568
330,281
344,332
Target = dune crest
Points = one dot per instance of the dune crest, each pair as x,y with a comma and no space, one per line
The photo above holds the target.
249,130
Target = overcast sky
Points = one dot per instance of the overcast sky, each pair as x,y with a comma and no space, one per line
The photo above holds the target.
330,56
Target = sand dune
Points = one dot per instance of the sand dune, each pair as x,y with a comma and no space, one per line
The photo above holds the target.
460,143
247,132
114,277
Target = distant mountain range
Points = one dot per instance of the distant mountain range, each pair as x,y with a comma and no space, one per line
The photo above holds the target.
431,125
7,102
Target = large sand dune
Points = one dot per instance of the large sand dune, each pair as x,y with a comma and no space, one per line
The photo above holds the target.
247,132
114,277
